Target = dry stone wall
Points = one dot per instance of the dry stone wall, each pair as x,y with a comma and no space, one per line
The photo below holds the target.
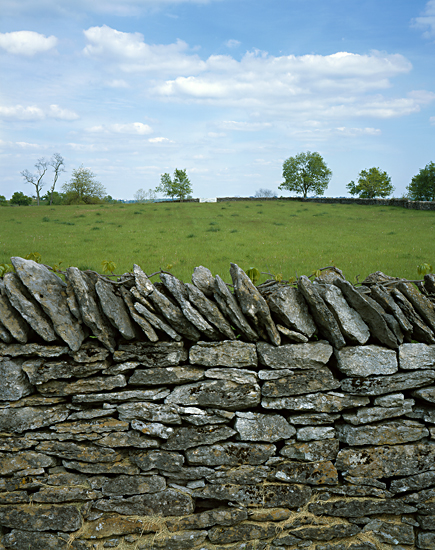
139,415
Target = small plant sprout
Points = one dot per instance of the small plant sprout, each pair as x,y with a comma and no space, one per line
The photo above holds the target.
35,256
108,266
254,274
424,269
5,268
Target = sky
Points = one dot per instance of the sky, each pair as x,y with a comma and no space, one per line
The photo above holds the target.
226,89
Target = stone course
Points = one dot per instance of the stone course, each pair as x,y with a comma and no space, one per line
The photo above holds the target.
140,415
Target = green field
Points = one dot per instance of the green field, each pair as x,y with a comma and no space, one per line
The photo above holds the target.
292,238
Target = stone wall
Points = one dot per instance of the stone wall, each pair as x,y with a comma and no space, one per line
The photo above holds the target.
195,416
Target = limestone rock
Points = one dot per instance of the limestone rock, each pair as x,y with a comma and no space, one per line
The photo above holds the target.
156,321
241,376
185,540
28,307
364,415
231,454
242,531
386,301
325,532
416,356
24,350
94,425
295,356
378,385
253,305
366,360
315,433
142,321
311,451
390,400
292,335
166,375
314,473
225,354
85,385
290,307
121,396
426,540
185,438
219,516
31,418
387,433
231,310
115,524
378,278
161,460
14,382
313,419
413,483
320,402
132,438
57,495
262,427
23,540
133,485
15,462
325,320
50,291
40,371
203,279
389,532
307,381
348,319
5,335
428,394
123,467
357,507
201,417
70,450
420,332
12,321
163,354
114,309
242,475
88,353
369,314
41,518
422,305
216,393
150,412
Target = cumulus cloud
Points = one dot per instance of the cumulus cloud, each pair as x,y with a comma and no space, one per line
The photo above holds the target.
160,140
137,128
426,21
232,43
27,43
32,112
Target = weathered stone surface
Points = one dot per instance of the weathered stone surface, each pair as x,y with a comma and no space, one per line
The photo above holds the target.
89,352
241,376
169,502
202,417
233,354
98,425
188,474
141,321
219,516
18,497
426,522
292,335
217,393
160,460
420,332
230,454
15,462
378,385
57,495
210,311
86,453
154,320
31,418
133,485
262,427
389,532
315,433
416,356
124,467
242,531
151,412
24,350
23,540
387,461
330,402
203,279
413,483
426,540
50,291
369,314
314,473
13,321
307,381
122,396
85,385
357,507
390,400
428,394
325,320
166,375
5,335
349,320
268,496
242,475
387,433
295,356
185,540
115,524
314,419
422,305
15,444
290,307
28,307
40,371
162,354
133,438
385,300
114,309
364,415
253,305
231,310
325,532
41,518
366,360
14,383
271,514
185,438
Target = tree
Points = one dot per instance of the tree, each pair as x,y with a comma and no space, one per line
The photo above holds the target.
36,179
20,199
58,164
82,188
179,187
305,172
3,201
422,186
265,193
143,196
371,183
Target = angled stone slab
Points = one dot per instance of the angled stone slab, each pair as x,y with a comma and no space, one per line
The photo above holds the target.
5,335
325,320
421,332
289,306
223,354
349,320
143,323
389,532
21,299
295,356
166,375
369,314
210,311
12,321
243,532
28,350
378,385
313,419
306,381
231,310
230,454
203,279
315,473
366,360
388,433
31,418
416,356
262,427
428,394
204,417
114,309
315,433
74,451
133,485
253,305
292,335
422,305
318,402
385,300
19,461
417,482
155,394
156,321
185,438
50,291
163,354
14,382
364,415
219,516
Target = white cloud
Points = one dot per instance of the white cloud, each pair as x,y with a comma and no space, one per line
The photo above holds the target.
62,114
354,132
160,140
26,42
32,112
426,20
244,126
232,43
131,128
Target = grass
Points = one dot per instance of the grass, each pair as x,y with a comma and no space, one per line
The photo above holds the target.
289,238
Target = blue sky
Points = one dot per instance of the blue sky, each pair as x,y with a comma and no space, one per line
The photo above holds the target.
227,89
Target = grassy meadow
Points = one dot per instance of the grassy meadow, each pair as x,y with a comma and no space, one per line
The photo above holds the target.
292,238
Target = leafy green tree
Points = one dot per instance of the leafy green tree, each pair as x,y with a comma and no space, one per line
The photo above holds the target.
53,197
82,188
422,186
371,183
305,172
3,201
20,199
180,187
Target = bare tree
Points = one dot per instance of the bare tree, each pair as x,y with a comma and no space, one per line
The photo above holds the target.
265,193
36,179
57,164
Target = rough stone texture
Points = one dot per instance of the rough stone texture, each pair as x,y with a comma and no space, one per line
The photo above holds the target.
295,356
422,305
365,415
420,332
428,394
121,396
387,433
349,320
163,354
13,321
142,321
320,402
307,381
40,371
356,507
14,382
16,462
28,307
85,385
384,299
185,438
389,532
364,361
166,375
203,279
150,412
325,320
290,307
413,483
378,385
225,354
31,418
230,454
154,320
241,475
262,427
5,335
292,335
416,356
314,473
426,540
315,433
114,309
41,518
